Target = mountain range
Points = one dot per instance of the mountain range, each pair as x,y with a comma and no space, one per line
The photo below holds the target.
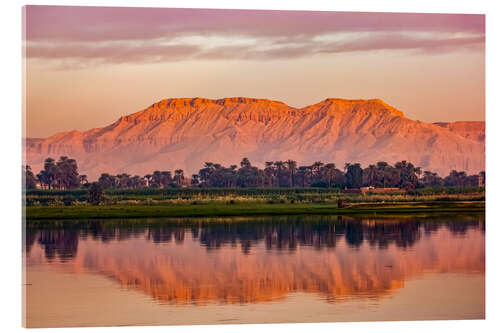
183,133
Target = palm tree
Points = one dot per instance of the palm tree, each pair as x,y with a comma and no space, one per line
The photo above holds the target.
330,173
301,174
280,165
269,171
309,174
67,173
316,170
292,168
107,181
195,180
456,178
137,182
29,180
124,180
82,179
179,177
371,174
95,194
245,163
48,175
432,179
408,174
383,173
148,179
156,179
166,178
354,175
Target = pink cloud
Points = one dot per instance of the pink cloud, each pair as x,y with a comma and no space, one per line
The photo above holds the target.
397,41
113,53
125,23
56,32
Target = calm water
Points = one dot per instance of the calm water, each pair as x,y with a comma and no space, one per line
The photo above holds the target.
254,270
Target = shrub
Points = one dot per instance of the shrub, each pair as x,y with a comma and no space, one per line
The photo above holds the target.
320,184
68,200
95,194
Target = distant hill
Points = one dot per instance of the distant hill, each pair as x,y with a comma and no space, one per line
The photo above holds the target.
186,132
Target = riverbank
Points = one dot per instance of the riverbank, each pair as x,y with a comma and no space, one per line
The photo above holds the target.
246,209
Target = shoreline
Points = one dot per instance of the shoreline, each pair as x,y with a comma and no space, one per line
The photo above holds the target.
246,209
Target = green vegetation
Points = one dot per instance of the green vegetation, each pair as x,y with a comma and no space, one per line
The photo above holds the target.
99,224
95,194
63,174
198,196
245,209
281,188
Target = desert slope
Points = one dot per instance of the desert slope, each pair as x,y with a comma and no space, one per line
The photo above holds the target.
186,132
468,129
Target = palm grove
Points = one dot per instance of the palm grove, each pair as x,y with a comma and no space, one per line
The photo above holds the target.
63,174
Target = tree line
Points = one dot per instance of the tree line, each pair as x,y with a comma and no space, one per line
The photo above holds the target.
63,174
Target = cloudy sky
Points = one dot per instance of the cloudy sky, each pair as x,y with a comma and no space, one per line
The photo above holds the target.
87,66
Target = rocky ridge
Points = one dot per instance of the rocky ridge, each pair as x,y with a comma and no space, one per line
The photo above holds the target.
185,132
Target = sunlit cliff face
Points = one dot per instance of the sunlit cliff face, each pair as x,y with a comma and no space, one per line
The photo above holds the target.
238,264
86,66
184,133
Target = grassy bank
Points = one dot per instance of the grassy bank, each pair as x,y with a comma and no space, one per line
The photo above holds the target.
246,209
202,196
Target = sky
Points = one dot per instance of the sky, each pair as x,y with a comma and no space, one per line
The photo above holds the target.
87,66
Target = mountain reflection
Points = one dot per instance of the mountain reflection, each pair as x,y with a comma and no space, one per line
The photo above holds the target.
235,260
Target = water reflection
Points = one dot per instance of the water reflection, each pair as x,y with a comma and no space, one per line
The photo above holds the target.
199,261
